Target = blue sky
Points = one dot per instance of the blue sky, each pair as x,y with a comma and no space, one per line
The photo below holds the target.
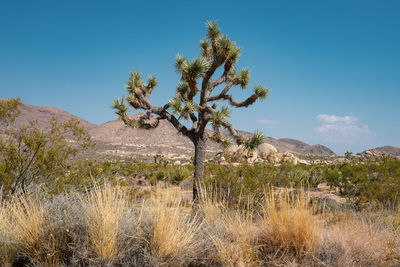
333,66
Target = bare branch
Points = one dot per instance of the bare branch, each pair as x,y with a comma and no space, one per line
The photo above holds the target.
224,77
222,94
238,138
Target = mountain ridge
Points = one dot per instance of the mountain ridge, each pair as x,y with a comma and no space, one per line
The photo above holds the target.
115,138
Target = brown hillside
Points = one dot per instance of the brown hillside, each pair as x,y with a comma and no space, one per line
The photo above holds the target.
116,139
43,114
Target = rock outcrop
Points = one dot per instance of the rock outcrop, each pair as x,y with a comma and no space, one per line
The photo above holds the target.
264,153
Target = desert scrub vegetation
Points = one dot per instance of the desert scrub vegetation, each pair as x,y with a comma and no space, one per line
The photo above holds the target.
373,182
107,227
30,156
366,185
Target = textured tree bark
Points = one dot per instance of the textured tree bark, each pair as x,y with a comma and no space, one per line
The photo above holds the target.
200,145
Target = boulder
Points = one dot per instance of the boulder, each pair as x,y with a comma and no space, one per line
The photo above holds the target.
303,161
272,158
177,162
251,156
369,153
258,160
288,157
266,149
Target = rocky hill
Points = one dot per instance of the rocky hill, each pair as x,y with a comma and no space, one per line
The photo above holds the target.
299,148
116,139
378,151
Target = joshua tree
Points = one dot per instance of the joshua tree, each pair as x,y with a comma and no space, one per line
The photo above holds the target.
217,51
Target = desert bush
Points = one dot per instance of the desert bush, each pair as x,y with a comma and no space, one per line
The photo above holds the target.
373,182
29,155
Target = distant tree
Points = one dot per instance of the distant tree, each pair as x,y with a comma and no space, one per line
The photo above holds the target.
29,154
194,100
348,155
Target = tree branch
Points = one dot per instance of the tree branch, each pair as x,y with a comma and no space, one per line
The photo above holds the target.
244,103
222,94
238,138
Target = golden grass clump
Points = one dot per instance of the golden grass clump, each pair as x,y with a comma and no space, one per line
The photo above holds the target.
236,239
105,208
106,227
356,243
6,253
288,223
174,230
233,232
28,233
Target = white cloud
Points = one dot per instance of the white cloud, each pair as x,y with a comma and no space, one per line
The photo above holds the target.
342,130
269,122
331,119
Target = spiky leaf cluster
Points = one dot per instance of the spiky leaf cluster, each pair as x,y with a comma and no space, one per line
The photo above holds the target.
261,91
152,81
191,70
223,48
213,30
206,50
253,142
176,105
134,82
120,107
243,78
219,117
183,109
182,90
227,142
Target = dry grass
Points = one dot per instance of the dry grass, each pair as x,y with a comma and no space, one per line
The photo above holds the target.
29,234
355,242
107,227
7,254
174,230
105,209
289,226
233,232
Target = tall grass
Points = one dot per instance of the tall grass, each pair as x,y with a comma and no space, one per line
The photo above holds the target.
105,208
28,235
175,232
7,254
288,224
106,227
233,232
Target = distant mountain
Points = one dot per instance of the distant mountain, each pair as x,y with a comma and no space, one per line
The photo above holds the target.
43,114
298,147
378,151
114,138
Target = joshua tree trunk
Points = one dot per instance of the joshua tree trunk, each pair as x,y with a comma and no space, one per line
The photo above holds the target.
200,145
